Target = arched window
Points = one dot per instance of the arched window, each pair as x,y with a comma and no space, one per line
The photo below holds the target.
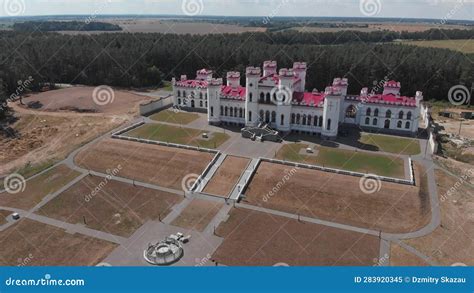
250,116
200,104
206,104
261,115
222,110
367,120
250,97
407,125
241,113
368,112
315,121
200,95
274,115
212,111
282,119
179,101
298,119
267,117
192,104
293,118
269,98
235,112
320,121
329,124
388,114
231,112
205,95
376,113
184,94
399,124
179,93
400,115
387,124
304,119
351,111
262,97
309,120
226,111
375,122
409,115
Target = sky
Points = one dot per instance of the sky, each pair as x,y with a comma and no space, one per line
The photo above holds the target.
437,9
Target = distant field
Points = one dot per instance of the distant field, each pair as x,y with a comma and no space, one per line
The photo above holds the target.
465,46
397,27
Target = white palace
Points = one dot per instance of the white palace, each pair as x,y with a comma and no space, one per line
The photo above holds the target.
279,99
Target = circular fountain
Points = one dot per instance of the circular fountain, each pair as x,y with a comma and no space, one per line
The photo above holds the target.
164,252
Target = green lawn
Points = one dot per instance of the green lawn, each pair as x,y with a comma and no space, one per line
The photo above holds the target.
179,135
344,159
174,117
391,144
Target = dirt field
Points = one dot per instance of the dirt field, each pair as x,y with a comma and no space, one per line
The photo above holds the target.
453,241
3,216
37,188
29,243
110,206
400,257
395,208
259,239
159,165
39,139
80,99
226,176
398,27
197,214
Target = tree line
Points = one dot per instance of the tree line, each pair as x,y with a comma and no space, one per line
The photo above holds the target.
142,60
51,26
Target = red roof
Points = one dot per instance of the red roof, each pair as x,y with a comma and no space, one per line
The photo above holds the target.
192,83
238,92
308,98
389,99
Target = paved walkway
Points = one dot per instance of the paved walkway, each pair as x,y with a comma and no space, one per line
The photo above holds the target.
244,180
210,173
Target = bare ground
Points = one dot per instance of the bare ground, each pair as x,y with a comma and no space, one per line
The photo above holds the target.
338,198
110,206
258,239
29,243
400,257
226,176
164,166
197,214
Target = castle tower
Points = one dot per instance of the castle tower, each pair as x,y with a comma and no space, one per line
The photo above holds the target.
283,99
299,68
214,101
391,87
233,79
204,74
342,84
253,74
269,68
332,108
